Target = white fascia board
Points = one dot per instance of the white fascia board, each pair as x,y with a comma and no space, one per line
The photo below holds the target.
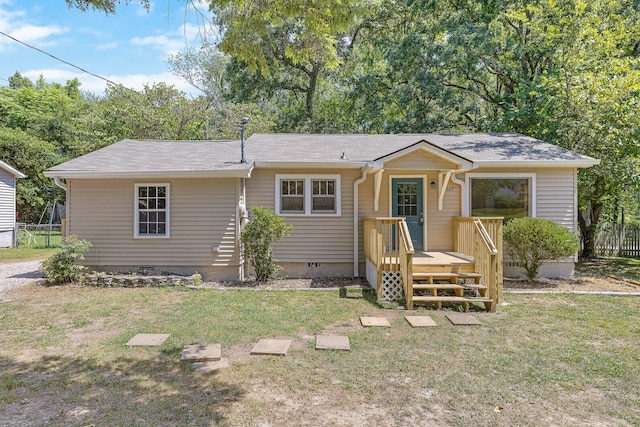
508,164
342,164
242,173
13,171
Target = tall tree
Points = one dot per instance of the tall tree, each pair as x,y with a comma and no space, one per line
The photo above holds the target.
283,47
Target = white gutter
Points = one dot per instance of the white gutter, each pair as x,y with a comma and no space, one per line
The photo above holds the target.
463,192
340,164
538,163
356,234
234,173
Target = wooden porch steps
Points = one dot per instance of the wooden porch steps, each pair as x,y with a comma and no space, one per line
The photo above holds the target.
439,299
450,286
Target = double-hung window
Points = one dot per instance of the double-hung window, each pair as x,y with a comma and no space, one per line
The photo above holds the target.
152,210
308,195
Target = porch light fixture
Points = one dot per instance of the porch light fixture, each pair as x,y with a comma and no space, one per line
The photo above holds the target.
433,185
344,157
243,123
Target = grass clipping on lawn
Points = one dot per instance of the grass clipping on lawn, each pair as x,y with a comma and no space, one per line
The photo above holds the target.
541,359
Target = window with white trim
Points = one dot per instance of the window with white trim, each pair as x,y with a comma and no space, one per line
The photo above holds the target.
501,195
152,210
308,195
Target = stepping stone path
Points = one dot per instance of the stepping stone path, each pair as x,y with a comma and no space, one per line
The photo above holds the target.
332,342
462,319
368,322
147,340
201,352
204,357
420,321
266,347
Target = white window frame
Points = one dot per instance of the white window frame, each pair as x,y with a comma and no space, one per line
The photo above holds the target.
531,176
308,197
136,216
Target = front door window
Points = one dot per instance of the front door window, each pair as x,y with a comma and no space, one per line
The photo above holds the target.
407,202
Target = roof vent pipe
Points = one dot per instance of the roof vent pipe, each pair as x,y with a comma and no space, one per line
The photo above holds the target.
243,123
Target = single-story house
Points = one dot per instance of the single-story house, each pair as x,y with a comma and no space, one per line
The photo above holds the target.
8,230
180,205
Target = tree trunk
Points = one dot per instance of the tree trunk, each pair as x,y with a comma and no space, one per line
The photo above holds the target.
311,93
588,230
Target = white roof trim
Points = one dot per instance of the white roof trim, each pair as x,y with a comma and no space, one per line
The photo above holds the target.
15,172
342,164
538,163
237,173
426,145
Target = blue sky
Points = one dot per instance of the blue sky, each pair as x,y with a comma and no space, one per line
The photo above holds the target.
129,48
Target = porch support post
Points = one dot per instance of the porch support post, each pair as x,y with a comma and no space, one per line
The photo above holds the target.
378,185
443,182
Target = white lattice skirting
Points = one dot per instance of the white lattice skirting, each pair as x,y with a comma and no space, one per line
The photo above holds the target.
392,289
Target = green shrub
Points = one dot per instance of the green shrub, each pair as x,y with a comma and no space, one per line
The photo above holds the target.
64,265
264,229
532,241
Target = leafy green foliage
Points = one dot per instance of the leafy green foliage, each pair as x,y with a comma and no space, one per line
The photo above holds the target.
65,265
532,241
263,230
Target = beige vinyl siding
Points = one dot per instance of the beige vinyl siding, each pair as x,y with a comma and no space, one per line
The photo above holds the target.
322,239
419,160
7,201
202,215
555,196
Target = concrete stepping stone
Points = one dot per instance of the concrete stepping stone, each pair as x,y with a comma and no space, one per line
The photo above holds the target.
462,319
147,339
267,347
332,342
368,322
420,321
201,352
212,366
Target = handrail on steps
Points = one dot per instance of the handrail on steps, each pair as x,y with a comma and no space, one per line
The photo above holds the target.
388,248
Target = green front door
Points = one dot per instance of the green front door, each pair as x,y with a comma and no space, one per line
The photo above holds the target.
406,201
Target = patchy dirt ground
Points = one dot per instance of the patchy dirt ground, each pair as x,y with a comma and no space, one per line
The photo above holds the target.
578,283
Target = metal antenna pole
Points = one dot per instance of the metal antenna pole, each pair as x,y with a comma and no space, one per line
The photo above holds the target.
243,122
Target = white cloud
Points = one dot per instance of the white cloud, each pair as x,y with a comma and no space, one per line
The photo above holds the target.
107,46
14,24
33,33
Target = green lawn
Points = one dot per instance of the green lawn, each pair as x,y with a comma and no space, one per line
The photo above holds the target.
32,248
616,266
540,360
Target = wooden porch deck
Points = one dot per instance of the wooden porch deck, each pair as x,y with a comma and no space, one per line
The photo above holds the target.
471,273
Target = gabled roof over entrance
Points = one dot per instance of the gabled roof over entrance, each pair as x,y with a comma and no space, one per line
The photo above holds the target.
146,158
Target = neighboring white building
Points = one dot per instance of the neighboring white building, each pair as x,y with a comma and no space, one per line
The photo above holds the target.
8,231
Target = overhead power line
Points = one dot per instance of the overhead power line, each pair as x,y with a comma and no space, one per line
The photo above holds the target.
61,60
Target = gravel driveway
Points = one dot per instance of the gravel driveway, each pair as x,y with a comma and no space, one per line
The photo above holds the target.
16,274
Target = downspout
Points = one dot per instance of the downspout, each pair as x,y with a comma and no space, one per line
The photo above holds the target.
356,236
63,185
59,183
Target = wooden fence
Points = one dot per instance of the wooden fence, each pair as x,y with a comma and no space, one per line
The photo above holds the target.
618,240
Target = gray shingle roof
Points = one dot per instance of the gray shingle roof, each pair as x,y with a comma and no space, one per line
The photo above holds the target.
211,158
477,147
143,157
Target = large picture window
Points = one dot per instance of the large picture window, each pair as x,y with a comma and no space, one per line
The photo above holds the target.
505,196
308,195
152,210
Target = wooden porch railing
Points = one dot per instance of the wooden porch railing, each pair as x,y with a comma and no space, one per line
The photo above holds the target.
481,238
388,248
